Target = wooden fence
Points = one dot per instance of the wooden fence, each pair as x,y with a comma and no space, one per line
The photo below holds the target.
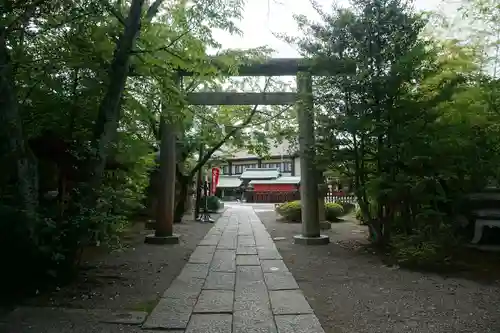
282,196
340,197
271,196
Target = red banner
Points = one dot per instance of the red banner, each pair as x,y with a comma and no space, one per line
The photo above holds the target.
215,179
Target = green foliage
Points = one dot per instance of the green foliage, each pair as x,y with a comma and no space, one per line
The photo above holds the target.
333,211
425,248
347,207
213,203
415,127
359,216
291,211
67,74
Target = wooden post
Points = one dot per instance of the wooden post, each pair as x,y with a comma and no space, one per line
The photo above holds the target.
308,174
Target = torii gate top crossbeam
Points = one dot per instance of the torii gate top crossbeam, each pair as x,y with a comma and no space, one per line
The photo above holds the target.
283,67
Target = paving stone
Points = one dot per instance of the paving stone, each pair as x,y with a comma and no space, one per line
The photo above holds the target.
280,281
212,301
202,255
170,313
247,275
227,244
298,324
250,285
245,232
210,240
246,250
253,317
190,271
224,261
125,317
254,292
220,281
210,323
247,260
263,303
268,253
269,266
289,302
184,288
246,241
262,237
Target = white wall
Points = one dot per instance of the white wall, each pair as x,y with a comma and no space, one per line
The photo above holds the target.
256,163
297,166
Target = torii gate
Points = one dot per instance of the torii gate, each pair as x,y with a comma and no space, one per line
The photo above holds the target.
303,69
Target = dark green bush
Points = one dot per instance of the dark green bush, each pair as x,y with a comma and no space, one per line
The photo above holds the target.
213,203
333,211
48,246
292,211
347,206
425,248
359,216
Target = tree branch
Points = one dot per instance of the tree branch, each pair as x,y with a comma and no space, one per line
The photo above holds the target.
211,151
153,10
114,11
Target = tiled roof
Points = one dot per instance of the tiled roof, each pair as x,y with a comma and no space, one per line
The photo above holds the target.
260,173
280,180
229,181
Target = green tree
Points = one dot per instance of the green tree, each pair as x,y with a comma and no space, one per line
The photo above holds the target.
398,125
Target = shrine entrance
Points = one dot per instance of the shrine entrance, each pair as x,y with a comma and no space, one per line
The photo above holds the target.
303,69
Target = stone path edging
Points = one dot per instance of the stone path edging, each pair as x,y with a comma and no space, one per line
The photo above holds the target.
235,282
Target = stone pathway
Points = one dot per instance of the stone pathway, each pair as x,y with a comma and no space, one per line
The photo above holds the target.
235,282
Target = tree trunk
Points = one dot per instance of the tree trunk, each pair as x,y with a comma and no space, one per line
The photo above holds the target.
199,180
180,207
10,121
109,109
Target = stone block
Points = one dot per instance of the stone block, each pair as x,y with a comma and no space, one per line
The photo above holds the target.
289,302
280,281
241,250
212,301
269,266
170,313
220,281
190,271
247,260
298,324
210,323
224,261
202,255
184,288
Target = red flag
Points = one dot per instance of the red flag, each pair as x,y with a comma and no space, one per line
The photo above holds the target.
215,179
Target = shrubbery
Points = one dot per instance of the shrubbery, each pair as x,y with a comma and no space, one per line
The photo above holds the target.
292,211
213,203
46,248
347,206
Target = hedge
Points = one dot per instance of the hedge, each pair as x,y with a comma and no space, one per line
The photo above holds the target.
213,203
292,211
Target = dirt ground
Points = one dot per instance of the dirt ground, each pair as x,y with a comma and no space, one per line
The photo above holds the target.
352,291
132,278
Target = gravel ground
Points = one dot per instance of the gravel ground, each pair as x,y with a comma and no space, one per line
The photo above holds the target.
131,279
353,292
